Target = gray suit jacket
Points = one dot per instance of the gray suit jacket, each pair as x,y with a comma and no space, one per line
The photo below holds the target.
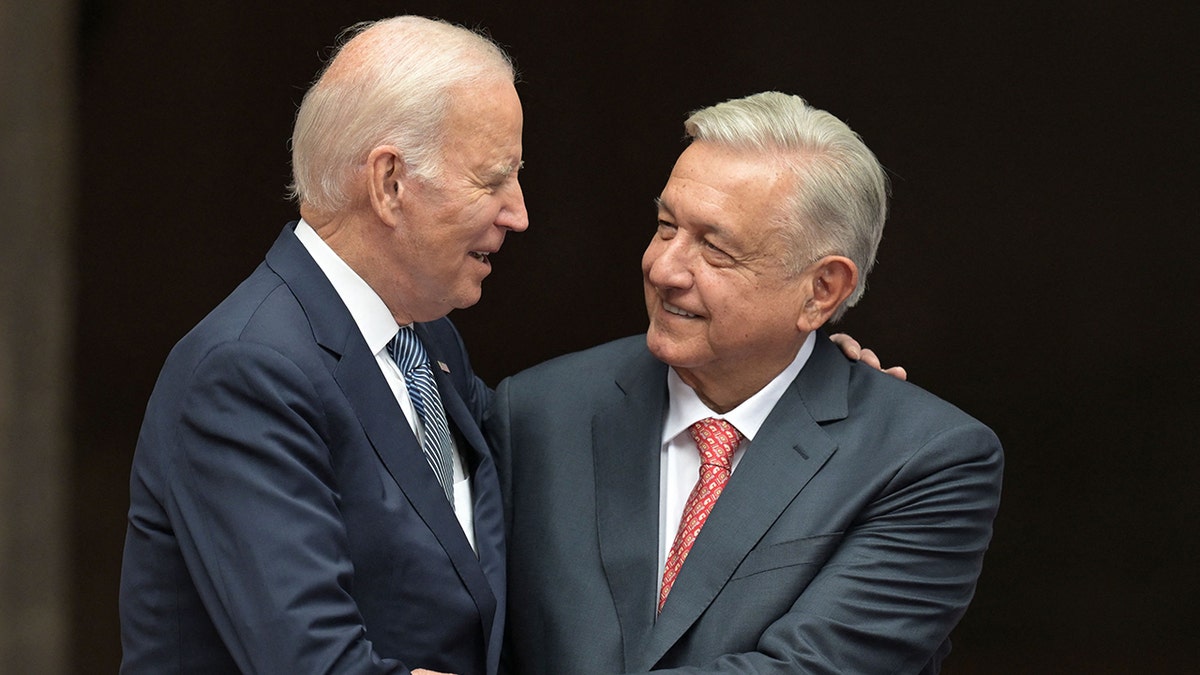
849,539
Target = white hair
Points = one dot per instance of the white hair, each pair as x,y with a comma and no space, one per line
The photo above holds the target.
839,201
390,83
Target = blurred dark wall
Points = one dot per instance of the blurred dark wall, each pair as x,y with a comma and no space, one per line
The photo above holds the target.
1038,269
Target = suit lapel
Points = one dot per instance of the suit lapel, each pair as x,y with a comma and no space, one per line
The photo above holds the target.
357,374
385,426
626,441
785,455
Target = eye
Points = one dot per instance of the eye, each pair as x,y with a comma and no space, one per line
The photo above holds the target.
717,255
666,229
504,176
709,246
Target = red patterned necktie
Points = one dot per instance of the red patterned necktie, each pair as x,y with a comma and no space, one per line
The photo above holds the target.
717,440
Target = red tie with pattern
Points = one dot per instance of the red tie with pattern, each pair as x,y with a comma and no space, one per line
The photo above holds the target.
716,440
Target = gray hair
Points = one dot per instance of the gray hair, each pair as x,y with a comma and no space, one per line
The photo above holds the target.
839,202
390,83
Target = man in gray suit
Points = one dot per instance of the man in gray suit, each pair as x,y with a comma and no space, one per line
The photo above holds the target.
841,515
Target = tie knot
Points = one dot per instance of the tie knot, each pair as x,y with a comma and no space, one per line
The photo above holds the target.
717,440
406,350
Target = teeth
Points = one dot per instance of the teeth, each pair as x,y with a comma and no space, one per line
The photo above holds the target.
479,256
675,310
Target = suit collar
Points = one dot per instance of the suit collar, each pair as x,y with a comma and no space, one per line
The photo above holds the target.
331,323
357,374
371,314
824,384
784,457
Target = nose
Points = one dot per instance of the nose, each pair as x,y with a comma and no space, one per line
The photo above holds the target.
513,215
665,263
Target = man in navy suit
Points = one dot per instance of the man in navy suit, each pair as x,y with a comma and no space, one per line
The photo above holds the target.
727,494
286,516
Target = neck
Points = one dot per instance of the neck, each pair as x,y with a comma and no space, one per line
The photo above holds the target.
722,395
722,389
362,245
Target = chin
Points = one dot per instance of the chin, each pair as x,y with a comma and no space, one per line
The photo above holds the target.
466,297
468,301
662,348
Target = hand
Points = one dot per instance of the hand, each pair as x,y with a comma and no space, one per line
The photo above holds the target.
855,351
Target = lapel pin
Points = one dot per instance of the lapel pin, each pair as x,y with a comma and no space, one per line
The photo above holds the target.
445,368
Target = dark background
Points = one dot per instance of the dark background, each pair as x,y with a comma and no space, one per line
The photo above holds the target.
1039,268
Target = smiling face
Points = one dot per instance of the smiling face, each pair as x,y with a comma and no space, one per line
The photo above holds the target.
724,310
452,223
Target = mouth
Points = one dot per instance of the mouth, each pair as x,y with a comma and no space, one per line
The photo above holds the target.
677,310
481,256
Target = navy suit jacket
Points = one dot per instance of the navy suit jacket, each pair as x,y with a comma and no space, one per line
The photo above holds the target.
283,518
848,540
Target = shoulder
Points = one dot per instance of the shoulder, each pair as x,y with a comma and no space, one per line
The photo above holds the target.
861,407
835,388
872,392
600,362
582,380
260,322
260,310
903,425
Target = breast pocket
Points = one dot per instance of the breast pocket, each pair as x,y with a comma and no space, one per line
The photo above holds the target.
807,551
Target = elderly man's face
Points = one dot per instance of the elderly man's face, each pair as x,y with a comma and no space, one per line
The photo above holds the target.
723,306
454,222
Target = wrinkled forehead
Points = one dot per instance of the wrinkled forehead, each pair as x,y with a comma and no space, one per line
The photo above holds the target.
712,179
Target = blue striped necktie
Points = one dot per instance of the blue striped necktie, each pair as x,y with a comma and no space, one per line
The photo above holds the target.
410,356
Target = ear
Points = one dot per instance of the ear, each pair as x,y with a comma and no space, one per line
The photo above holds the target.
385,182
829,282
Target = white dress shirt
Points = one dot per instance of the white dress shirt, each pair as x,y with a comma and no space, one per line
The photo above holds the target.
378,327
680,468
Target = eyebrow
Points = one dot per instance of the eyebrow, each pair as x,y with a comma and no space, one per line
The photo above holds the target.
505,168
718,230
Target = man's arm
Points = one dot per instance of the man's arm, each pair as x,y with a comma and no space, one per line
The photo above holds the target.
902,576
252,495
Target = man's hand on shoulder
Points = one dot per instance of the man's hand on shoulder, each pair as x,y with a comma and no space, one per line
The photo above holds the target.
855,351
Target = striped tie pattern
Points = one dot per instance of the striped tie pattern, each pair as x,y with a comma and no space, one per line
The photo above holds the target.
409,354
716,440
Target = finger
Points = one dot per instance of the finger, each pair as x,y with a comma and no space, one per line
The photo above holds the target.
868,357
898,372
848,345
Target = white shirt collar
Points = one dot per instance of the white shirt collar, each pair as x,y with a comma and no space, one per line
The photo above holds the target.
374,320
685,407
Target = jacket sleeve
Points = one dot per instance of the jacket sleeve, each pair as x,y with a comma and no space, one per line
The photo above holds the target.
251,492
902,575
